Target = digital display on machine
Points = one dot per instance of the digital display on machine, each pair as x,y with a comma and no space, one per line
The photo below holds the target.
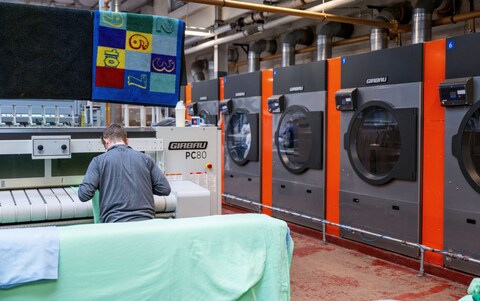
346,100
456,92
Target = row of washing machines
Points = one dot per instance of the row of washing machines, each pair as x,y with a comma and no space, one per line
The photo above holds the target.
386,141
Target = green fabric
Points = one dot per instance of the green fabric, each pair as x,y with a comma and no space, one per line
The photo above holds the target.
474,287
466,298
229,257
476,297
95,205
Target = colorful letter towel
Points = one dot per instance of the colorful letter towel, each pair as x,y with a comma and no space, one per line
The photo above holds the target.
137,58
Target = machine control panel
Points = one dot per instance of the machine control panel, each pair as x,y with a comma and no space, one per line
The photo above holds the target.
456,92
276,104
51,147
226,106
346,99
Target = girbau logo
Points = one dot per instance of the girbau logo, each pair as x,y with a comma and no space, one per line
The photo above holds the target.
187,145
296,89
376,80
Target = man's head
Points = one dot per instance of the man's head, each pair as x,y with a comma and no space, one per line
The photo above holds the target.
114,134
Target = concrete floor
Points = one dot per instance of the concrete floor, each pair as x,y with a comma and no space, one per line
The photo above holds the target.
330,272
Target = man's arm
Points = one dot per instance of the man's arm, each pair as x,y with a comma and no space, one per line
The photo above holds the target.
90,182
160,185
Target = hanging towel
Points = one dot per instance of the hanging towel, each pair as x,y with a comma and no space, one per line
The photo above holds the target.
137,58
45,52
28,254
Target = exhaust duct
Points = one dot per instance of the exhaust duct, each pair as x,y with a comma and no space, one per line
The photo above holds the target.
379,36
324,38
298,36
256,49
198,67
422,20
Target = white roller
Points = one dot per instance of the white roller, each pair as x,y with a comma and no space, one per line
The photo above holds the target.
66,203
54,210
38,208
23,206
165,203
9,210
160,203
82,209
171,203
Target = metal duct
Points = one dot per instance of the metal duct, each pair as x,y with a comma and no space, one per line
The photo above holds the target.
198,67
272,24
379,36
422,20
256,49
324,38
299,36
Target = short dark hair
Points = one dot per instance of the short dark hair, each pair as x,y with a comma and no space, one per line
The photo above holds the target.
115,133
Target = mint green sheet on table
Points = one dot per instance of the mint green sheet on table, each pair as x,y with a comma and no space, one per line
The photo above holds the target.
228,257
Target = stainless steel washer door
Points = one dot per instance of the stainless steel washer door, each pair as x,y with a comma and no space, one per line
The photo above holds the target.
299,139
466,146
381,143
242,137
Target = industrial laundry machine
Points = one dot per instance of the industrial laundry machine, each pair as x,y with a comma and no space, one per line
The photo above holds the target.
242,151
381,102
298,174
204,102
42,165
460,95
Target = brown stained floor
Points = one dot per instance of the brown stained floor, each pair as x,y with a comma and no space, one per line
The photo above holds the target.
328,272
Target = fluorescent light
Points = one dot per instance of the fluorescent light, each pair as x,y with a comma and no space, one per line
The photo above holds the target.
197,31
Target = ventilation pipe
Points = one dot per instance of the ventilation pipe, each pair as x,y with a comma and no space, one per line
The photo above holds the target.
298,36
256,49
324,38
379,36
422,20
198,67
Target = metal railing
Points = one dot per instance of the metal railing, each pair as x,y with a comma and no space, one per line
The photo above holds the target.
324,222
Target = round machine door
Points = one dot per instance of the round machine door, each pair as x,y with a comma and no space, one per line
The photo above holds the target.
207,117
242,137
298,138
466,146
382,143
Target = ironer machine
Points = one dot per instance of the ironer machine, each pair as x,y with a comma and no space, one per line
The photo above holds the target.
41,165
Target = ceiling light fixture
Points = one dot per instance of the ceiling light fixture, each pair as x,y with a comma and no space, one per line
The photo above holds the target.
197,31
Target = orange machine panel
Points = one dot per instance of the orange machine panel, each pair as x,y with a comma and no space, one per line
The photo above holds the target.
433,150
188,98
267,91
333,147
221,123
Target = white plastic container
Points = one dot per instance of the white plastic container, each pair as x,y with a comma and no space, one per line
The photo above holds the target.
180,114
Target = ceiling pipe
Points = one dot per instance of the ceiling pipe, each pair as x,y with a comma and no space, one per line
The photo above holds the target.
400,13
321,7
302,36
325,37
364,38
256,49
422,20
456,18
293,12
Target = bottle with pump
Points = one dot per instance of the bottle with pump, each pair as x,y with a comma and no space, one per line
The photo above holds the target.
180,114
